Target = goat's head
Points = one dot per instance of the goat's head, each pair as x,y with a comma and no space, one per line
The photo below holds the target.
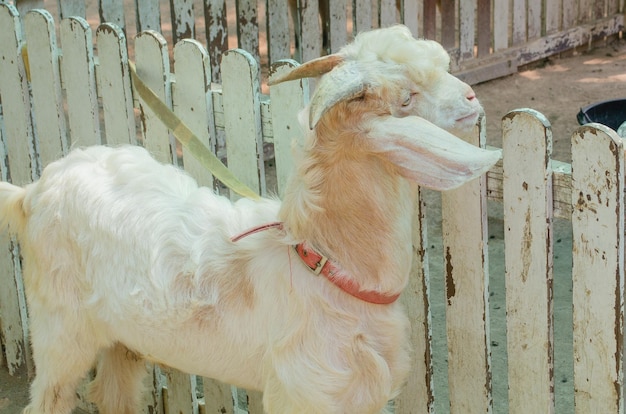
396,87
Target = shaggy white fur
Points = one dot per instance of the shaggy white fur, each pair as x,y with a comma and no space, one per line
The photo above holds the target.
129,259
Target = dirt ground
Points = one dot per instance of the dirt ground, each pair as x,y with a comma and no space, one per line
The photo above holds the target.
557,87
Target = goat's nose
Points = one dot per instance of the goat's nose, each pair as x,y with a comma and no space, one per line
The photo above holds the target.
470,95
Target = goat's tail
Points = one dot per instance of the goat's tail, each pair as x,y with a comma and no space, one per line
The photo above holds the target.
12,208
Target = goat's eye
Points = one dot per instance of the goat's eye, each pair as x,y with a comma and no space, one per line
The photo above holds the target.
409,98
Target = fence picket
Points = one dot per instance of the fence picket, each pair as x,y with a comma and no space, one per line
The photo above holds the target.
386,13
310,30
216,34
112,11
248,26
78,74
418,393
337,27
43,57
193,103
362,15
114,86
527,187
279,39
148,15
242,118
467,292
286,100
598,269
183,20
467,27
153,68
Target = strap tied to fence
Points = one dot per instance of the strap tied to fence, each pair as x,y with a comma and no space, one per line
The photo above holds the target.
188,139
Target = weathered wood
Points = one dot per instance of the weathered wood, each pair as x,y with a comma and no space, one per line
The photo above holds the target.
153,68
79,79
598,269
279,40
180,395
430,18
114,86
410,15
112,11
500,25
386,13
148,15
418,393
338,34
71,8
216,28
193,103
310,30
43,57
534,18
553,15
519,22
361,15
242,118
17,142
248,26
183,20
483,28
467,281
527,187
467,28
287,99
218,398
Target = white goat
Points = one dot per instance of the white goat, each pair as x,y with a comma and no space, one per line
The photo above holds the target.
128,259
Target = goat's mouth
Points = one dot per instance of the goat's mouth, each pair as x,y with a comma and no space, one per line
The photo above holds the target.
467,119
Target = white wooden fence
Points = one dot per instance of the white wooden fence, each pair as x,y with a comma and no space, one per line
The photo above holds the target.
486,38
74,96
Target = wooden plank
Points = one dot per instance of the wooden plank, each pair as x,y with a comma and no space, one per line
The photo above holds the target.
72,8
192,101
467,281
553,15
585,8
287,100
242,118
17,122
78,74
310,30
500,25
519,22
418,393
279,39
534,19
248,27
112,11
148,15
216,27
183,20
338,32
218,398
43,57
598,269
386,13
180,395
114,86
153,67
362,15
411,13
484,31
430,17
570,13
467,28
18,146
527,187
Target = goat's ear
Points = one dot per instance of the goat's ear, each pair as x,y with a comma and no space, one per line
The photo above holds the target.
311,69
427,154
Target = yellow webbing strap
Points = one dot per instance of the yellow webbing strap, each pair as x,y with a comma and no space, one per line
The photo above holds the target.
188,139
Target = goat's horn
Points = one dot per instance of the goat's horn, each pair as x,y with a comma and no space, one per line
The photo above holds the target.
310,69
344,83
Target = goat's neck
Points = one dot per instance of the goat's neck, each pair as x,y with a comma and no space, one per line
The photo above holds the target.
355,209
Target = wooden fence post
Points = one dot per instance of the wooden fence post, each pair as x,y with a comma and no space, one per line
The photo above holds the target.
598,269
79,80
467,292
527,194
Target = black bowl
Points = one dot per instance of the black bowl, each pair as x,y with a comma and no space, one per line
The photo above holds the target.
610,113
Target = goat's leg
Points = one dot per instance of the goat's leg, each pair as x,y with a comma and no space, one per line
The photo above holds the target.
63,354
118,384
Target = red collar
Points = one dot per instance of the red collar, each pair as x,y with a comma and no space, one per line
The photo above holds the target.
321,265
